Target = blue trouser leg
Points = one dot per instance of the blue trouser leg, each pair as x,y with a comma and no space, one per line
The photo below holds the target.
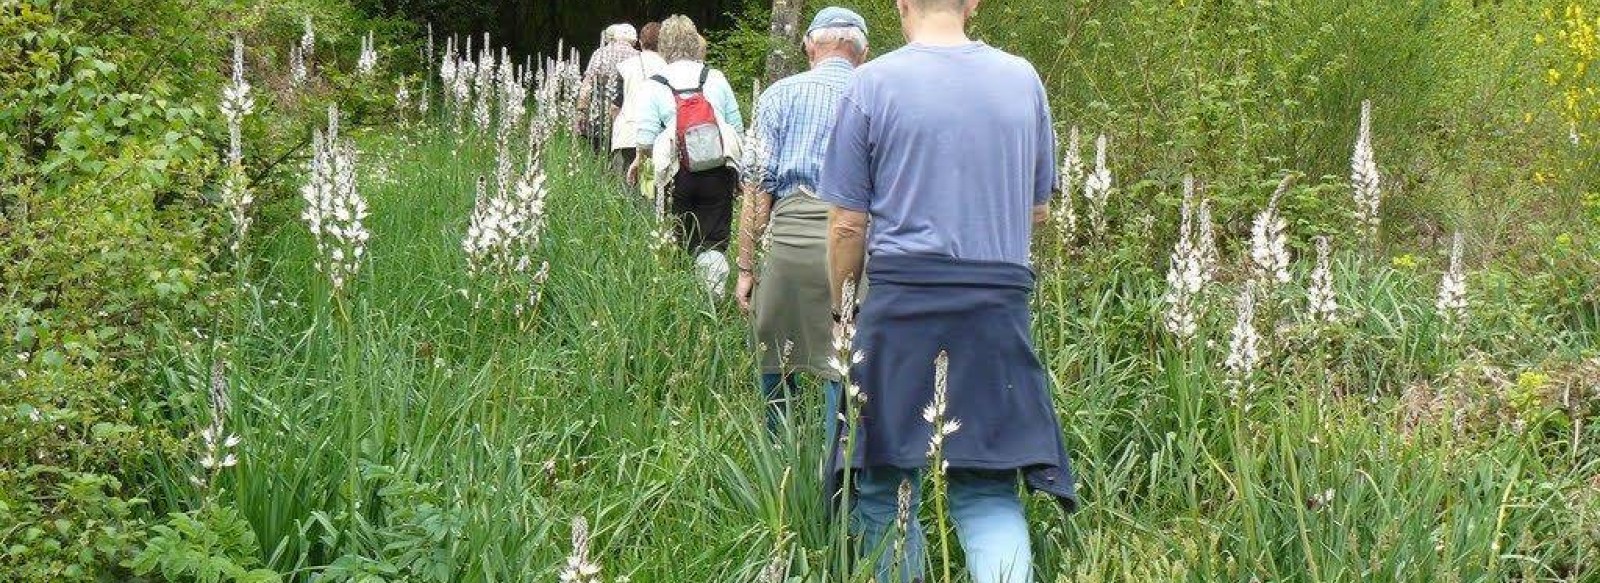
874,515
985,507
779,390
991,525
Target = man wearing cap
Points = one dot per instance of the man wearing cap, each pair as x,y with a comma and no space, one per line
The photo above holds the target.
789,300
594,107
947,145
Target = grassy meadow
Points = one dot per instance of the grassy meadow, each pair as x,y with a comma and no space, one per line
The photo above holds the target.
411,435
173,409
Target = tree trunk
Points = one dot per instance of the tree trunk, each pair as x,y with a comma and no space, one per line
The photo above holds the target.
785,58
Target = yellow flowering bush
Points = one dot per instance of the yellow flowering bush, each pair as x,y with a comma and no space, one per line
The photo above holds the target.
1576,46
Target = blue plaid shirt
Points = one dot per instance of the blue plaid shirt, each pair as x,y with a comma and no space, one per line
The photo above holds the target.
795,117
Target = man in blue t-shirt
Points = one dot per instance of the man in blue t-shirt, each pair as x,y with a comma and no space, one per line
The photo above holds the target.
946,145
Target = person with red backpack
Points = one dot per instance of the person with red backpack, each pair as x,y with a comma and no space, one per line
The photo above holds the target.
689,127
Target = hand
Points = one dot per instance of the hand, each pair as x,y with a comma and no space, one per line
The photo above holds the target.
744,291
633,173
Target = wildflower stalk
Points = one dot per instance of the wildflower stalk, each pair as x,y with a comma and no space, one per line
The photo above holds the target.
1070,177
1206,241
236,104
1365,183
845,356
1322,306
335,210
579,568
217,444
368,60
943,426
1269,243
902,522
1244,343
1097,187
1452,302
1185,274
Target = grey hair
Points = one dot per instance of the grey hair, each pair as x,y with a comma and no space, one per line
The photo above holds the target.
680,40
840,34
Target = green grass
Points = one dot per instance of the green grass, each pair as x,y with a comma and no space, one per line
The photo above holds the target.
426,440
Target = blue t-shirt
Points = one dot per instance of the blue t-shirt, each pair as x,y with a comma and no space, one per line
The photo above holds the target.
947,148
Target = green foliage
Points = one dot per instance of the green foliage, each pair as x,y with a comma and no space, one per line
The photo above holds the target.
109,253
105,247
1236,92
211,545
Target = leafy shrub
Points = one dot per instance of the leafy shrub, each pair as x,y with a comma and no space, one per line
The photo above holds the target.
110,260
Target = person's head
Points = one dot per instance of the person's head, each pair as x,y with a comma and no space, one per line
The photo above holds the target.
650,36
622,33
915,12
680,40
837,32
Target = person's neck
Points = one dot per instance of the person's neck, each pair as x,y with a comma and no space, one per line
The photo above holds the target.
817,62
939,29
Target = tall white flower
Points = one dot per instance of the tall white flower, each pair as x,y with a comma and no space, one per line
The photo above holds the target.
753,166
335,210
447,63
461,91
368,61
485,228
1097,187
308,40
1269,243
1452,303
507,224
216,444
297,65
1365,183
1069,177
1185,273
513,99
935,413
1322,304
484,85
236,104
1244,344
579,567
1206,241
402,98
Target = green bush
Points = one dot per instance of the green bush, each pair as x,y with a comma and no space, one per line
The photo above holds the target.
110,258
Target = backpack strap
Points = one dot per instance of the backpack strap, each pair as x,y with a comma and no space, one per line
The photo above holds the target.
705,73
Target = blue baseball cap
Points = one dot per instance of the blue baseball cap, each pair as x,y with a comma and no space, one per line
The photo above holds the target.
836,17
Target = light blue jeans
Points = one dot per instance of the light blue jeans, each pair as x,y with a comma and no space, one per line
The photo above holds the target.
780,390
985,507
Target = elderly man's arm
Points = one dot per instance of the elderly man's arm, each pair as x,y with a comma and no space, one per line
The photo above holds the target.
1041,213
847,251
847,183
755,211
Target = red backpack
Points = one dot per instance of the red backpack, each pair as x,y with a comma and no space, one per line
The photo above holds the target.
699,134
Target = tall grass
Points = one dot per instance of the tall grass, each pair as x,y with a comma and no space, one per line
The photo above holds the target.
426,440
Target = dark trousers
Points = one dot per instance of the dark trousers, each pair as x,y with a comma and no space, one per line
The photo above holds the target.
702,203
620,159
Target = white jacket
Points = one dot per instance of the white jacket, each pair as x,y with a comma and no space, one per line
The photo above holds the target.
635,72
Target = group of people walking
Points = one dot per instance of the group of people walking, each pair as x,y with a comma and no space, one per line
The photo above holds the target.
919,174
